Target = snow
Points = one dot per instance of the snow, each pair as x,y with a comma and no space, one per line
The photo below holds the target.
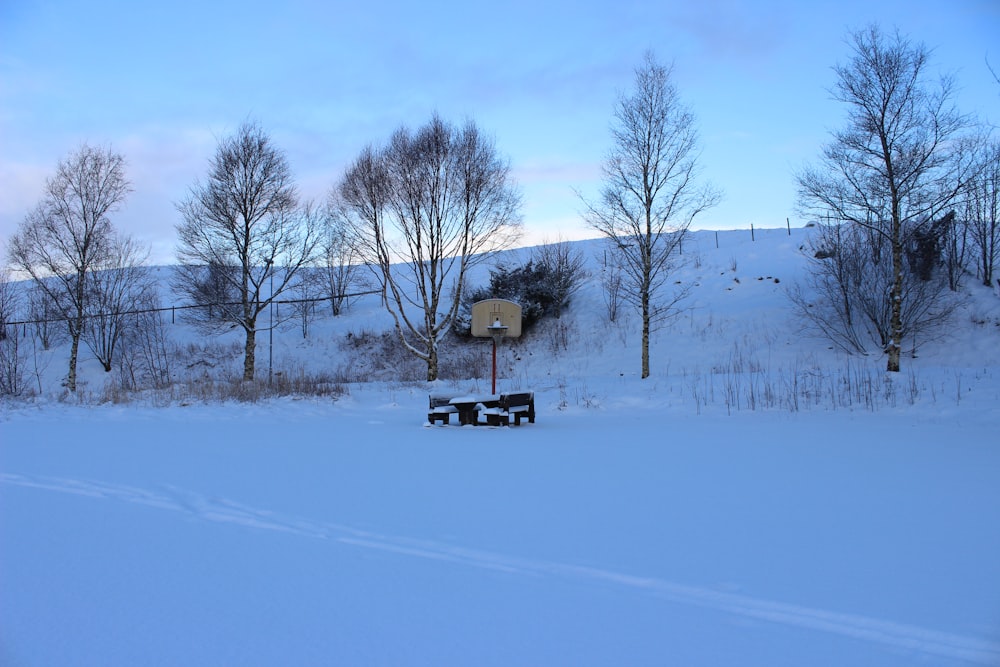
678,520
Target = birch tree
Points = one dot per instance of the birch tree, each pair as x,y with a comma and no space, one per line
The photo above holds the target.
894,167
650,194
981,210
423,209
69,234
245,217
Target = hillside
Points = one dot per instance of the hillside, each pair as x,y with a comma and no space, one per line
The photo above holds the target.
736,320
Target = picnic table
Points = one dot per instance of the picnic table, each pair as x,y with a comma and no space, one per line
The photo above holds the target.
497,408
468,407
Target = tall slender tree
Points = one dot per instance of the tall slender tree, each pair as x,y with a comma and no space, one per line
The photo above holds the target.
339,265
981,210
12,357
69,234
894,168
650,195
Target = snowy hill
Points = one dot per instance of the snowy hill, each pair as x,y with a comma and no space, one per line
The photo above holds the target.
736,319
761,499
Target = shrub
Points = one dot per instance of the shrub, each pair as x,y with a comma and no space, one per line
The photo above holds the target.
542,287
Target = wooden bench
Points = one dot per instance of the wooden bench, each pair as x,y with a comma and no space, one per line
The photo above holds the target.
440,409
515,404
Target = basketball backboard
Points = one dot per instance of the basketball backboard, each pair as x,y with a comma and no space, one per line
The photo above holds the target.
487,313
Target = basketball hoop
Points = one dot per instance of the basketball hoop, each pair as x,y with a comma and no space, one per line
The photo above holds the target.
496,318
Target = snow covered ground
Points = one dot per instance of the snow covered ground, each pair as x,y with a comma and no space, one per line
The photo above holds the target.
699,517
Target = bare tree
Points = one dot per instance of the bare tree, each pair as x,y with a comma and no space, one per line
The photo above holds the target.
307,289
423,210
146,350
12,355
118,286
245,217
340,266
952,239
894,167
981,208
335,275
68,234
843,298
10,302
565,268
611,282
42,311
827,304
650,195
213,287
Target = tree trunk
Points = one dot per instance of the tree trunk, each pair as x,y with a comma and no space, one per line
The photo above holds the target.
645,333
432,363
987,265
74,351
896,322
249,353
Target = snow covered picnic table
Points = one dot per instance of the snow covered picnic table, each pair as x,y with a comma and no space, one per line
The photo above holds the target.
497,408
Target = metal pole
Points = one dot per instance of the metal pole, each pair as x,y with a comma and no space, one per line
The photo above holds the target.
270,335
496,331
494,366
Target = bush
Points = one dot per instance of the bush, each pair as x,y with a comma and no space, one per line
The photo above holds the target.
542,287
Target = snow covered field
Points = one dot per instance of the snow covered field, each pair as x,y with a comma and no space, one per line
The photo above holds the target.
686,519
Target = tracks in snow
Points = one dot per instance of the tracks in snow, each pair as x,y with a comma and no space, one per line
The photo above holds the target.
221,510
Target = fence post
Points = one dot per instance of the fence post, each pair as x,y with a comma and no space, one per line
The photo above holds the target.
752,238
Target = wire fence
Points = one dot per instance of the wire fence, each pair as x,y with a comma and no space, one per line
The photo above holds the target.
173,309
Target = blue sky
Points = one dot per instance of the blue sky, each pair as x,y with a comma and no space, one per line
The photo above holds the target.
162,82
